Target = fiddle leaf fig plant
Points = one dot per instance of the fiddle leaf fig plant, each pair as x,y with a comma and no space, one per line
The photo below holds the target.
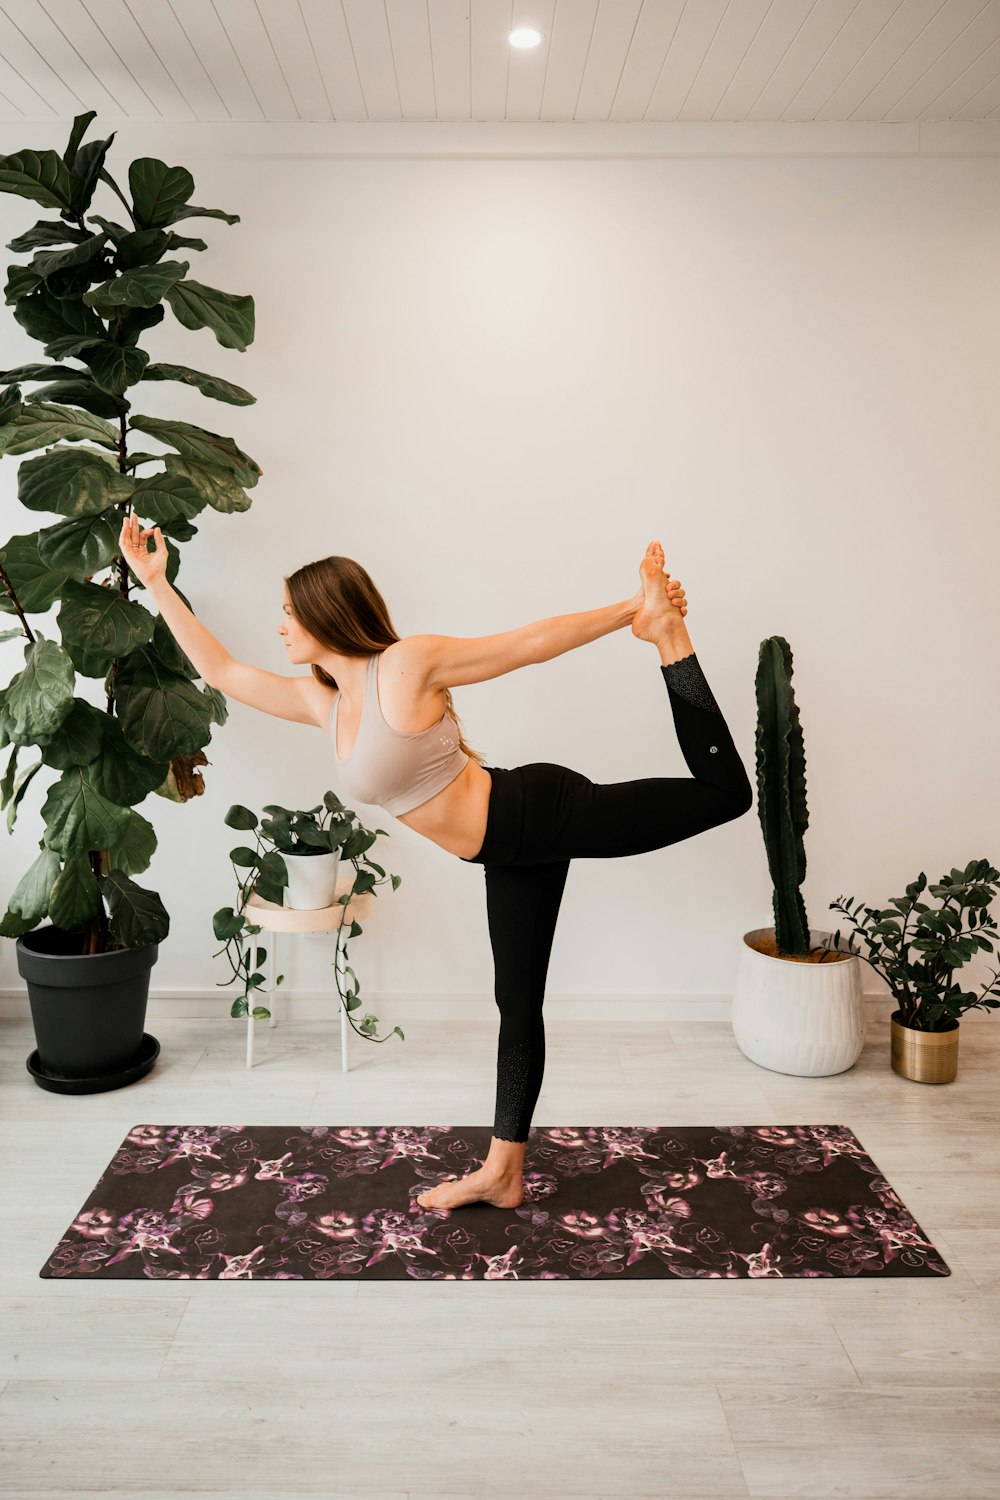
290,832
92,288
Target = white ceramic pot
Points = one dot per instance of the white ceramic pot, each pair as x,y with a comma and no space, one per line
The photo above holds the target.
802,1018
312,880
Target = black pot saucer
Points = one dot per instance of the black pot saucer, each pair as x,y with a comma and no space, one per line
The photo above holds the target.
149,1051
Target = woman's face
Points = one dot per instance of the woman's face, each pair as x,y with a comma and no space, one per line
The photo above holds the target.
299,644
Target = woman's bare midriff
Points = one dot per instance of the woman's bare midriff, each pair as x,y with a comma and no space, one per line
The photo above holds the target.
455,817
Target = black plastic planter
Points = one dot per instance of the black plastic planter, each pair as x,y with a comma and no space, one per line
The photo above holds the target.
88,1011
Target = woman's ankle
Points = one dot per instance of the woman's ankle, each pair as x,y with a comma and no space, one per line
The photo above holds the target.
505,1158
675,645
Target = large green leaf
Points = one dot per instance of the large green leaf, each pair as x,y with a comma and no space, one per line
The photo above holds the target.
218,704
12,926
89,662
102,622
141,247
81,547
7,780
31,894
157,190
72,482
63,327
47,262
122,773
83,392
42,423
186,242
167,494
169,652
21,282
87,170
201,444
20,787
135,320
209,385
37,372
79,740
192,211
142,287
228,315
115,366
81,123
137,916
183,210
48,232
11,406
36,585
76,895
77,818
134,852
216,486
73,281
41,695
41,175
161,714
118,232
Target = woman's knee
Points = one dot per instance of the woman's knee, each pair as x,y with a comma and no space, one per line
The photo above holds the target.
740,799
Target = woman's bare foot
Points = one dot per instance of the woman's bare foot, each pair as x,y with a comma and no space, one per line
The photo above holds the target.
663,604
503,1191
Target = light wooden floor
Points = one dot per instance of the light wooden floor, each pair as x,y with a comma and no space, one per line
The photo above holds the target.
530,1389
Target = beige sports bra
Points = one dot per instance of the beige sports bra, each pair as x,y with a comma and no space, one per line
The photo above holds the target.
390,768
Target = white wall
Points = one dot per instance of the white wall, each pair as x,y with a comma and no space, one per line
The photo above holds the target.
492,382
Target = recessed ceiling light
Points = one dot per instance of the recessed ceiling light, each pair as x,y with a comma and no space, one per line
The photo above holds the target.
525,36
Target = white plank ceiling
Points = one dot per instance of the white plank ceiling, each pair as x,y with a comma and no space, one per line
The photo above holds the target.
625,61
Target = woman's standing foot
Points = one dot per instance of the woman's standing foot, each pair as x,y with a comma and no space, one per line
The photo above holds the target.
500,1180
479,1187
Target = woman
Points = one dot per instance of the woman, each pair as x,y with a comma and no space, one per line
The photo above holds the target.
386,704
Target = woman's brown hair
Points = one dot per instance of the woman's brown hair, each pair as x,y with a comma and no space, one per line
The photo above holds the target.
337,602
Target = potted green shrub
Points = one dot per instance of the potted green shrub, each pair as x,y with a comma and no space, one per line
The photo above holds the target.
797,1004
92,287
297,838
924,1028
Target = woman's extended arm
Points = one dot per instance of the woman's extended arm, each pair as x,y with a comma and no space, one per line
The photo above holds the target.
207,655
565,632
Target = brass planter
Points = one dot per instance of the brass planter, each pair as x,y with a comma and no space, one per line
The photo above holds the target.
924,1056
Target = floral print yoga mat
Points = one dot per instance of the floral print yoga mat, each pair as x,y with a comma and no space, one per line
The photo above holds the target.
322,1202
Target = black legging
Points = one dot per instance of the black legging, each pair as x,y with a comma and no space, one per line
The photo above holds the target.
540,817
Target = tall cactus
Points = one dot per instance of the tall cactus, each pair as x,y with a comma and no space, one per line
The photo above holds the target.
781,793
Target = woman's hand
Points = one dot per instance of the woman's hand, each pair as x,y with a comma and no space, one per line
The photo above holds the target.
147,566
675,595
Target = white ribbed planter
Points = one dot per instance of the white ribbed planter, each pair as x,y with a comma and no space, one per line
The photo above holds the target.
800,1018
312,880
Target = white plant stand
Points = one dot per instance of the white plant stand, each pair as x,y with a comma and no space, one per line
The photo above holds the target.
276,919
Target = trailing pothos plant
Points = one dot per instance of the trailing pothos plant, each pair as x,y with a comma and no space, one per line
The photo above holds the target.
290,831
92,287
